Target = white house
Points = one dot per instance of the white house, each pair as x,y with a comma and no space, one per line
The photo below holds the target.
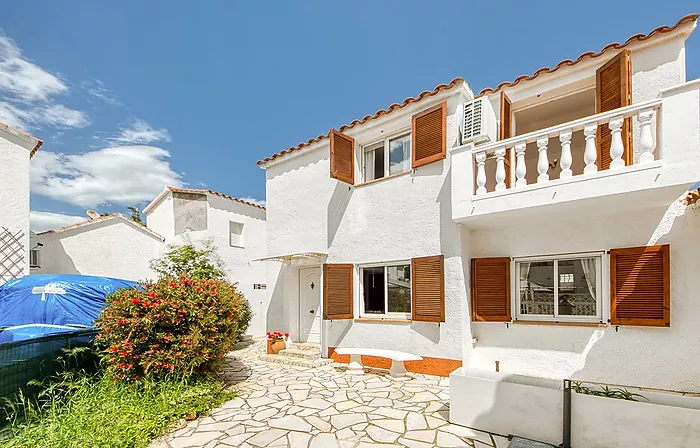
236,227
539,228
16,150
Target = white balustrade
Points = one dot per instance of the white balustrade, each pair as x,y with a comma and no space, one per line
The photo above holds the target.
566,159
542,160
480,172
520,169
617,149
646,141
500,169
590,154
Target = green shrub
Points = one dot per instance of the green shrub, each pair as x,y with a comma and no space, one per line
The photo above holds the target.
174,326
191,260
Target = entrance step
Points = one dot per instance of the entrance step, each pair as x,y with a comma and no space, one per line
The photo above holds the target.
295,361
301,353
310,346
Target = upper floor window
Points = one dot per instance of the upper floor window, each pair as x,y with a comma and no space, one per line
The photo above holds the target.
235,234
387,157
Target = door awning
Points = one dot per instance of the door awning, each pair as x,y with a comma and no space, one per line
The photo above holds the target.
316,256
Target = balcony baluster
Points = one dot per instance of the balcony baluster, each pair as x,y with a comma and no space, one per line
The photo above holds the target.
617,148
480,172
520,168
646,141
500,169
566,159
590,154
542,161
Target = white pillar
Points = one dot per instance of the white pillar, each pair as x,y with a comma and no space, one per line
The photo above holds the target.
566,160
617,148
646,141
590,154
500,169
481,172
520,169
542,161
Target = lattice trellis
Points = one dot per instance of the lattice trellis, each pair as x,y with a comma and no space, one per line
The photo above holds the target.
12,254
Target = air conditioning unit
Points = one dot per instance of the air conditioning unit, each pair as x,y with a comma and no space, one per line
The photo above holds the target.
479,123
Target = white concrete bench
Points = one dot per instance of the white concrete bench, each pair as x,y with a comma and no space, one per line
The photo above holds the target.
397,369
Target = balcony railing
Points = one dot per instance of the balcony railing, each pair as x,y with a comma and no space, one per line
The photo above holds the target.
646,120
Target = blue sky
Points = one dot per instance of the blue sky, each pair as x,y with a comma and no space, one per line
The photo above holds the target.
131,95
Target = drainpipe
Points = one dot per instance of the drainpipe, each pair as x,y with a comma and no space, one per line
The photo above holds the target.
566,436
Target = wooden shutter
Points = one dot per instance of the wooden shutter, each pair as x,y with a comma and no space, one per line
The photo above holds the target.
337,291
429,139
506,129
428,287
491,289
640,292
614,90
342,157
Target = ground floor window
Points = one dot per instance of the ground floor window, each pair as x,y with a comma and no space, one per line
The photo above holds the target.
386,290
562,288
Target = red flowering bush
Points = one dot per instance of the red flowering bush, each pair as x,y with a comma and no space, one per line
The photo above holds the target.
180,326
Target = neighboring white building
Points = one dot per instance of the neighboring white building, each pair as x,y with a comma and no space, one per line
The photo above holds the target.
506,215
235,226
109,246
16,149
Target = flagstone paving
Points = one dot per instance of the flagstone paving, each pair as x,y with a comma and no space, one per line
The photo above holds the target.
323,407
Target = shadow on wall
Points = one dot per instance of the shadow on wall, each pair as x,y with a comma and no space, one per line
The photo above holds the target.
428,330
56,260
274,318
336,209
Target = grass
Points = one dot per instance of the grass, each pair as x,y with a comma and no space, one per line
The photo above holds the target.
93,411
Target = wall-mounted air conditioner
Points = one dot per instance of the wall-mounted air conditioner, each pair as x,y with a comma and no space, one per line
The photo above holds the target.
479,124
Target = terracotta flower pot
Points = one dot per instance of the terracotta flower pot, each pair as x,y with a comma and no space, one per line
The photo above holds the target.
274,346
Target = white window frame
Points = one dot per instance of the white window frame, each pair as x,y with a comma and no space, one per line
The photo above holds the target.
241,240
402,133
37,253
599,316
361,291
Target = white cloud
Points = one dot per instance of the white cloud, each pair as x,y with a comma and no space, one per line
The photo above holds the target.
124,175
29,93
97,89
42,221
141,132
260,202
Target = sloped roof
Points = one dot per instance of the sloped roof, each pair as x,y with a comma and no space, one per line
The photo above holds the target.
158,198
591,55
366,118
23,135
101,219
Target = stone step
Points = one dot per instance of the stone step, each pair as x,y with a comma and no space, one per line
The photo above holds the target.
301,353
311,346
298,362
247,337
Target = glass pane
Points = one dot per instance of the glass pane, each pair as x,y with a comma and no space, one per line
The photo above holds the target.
373,289
537,287
577,287
399,283
374,162
400,154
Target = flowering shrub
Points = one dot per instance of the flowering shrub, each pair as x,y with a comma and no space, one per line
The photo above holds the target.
180,326
276,336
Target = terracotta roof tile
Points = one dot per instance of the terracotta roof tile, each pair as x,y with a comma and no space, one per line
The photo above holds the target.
37,142
215,193
590,54
367,118
100,219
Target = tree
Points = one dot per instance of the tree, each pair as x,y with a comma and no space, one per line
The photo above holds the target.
135,215
190,260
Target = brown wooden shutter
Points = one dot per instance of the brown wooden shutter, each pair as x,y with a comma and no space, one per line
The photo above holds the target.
428,287
506,129
338,291
342,157
491,289
614,90
640,290
429,138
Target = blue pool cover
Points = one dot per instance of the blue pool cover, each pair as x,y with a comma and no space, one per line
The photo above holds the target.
38,305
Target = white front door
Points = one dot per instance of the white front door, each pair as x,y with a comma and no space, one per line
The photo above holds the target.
310,304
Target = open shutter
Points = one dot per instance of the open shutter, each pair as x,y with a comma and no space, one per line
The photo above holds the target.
342,157
429,139
614,90
640,292
491,289
506,129
337,291
428,286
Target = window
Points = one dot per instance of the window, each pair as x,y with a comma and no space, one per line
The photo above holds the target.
390,156
386,290
34,258
235,234
566,288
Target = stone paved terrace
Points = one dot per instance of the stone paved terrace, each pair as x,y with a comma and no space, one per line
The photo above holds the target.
287,406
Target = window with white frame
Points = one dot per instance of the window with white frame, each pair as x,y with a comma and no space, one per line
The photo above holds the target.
34,258
390,156
562,288
386,290
235,233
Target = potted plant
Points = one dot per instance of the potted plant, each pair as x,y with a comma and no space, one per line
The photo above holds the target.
275,342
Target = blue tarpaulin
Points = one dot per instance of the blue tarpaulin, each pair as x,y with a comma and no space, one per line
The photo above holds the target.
37,305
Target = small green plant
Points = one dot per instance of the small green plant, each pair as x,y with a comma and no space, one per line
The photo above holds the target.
606,391
190,260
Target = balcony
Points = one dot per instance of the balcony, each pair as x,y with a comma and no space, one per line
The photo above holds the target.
558,170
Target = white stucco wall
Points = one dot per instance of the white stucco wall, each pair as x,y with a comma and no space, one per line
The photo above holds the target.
14,195
160,218
110,248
